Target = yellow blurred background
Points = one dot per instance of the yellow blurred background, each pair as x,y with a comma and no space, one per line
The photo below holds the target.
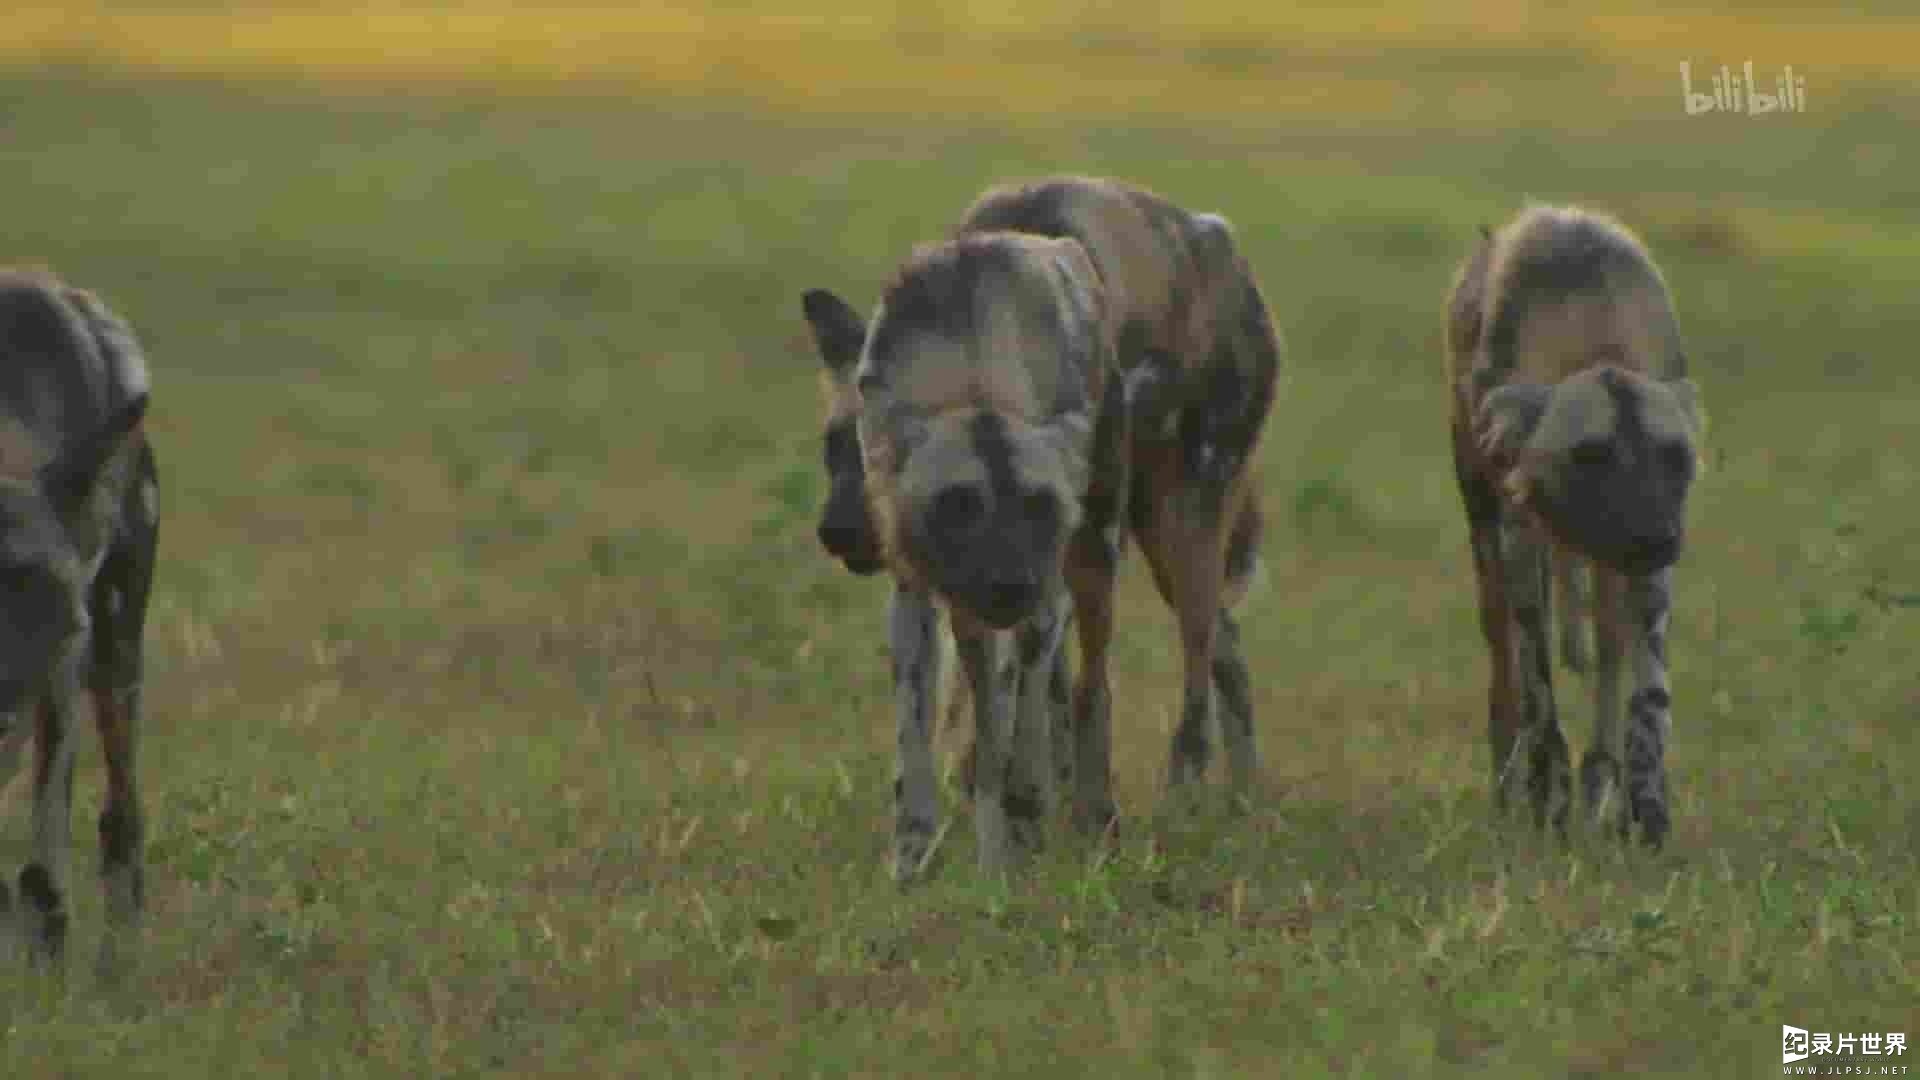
1154,58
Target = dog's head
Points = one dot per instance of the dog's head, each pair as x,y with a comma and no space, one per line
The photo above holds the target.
982,506
1604,458
974,430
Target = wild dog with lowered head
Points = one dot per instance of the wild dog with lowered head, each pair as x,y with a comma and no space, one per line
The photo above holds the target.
1576,441
79,526
845,532
1184,327
988,432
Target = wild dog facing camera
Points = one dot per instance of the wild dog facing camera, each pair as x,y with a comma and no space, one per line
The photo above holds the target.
984,508
1604,459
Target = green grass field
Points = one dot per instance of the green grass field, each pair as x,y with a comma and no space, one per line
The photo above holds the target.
505,718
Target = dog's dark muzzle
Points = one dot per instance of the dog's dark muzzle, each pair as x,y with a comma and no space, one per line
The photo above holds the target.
1003,605
1651,554
847,537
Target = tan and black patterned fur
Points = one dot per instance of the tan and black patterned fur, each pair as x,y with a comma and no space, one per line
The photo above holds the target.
1178,362
79,522
1576,441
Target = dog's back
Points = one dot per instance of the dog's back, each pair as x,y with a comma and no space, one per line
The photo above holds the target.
1559,290
1173,279
1189,331
59,383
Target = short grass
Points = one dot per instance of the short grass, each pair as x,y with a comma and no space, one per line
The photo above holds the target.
505,719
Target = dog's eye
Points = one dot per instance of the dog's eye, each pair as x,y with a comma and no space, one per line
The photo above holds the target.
956,509
1676,458
1592,454
1038,506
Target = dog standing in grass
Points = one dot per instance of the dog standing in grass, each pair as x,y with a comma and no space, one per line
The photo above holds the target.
1575,441
79,525
1083,360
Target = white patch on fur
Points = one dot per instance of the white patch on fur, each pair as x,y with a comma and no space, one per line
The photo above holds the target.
90,570
1648,669
129,361
133,375
150,500
1212,223
1518,487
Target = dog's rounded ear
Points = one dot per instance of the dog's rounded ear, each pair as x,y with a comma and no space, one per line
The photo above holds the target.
838,331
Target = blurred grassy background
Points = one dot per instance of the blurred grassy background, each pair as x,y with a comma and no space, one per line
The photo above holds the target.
505,717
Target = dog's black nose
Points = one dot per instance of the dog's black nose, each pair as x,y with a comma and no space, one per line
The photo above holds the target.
838,539
1656,551
1007,602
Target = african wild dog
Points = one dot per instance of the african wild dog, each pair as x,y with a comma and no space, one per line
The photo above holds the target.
79,523
1575,441
1145,308
843,530
983,449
